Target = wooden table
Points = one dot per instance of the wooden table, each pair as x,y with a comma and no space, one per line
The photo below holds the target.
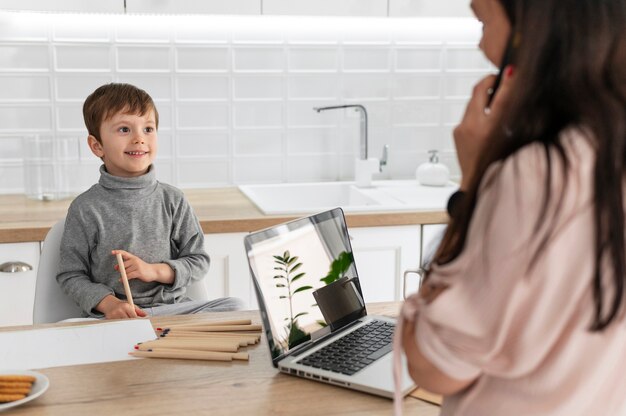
181,387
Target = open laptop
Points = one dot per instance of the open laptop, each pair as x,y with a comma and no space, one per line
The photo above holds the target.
312,306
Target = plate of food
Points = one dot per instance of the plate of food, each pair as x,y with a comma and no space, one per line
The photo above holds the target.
20,386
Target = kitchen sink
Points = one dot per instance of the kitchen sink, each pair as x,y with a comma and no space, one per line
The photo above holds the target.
304,198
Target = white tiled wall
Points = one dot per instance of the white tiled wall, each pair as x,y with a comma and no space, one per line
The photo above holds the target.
236,93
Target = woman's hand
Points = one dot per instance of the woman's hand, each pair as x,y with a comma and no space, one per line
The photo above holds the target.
114,308
136,268
479,121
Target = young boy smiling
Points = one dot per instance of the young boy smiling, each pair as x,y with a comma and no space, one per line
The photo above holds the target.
128,211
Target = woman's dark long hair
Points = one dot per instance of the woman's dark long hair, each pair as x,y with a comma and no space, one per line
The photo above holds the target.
570,71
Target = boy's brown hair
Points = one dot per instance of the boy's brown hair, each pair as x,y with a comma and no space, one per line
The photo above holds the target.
110,99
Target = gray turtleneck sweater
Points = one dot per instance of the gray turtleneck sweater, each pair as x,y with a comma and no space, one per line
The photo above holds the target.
147,218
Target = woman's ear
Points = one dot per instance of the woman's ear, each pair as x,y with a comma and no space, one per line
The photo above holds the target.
95,146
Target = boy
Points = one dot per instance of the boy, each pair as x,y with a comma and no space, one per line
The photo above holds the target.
129,212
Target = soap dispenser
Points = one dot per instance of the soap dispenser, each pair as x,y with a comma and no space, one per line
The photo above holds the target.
432,173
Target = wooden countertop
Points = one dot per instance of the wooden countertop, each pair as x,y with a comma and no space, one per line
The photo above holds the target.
220,210
190,387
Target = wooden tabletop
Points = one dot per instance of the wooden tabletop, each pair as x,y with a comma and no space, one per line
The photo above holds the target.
185,387
220,210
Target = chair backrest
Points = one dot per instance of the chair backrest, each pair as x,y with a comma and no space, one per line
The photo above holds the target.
51,303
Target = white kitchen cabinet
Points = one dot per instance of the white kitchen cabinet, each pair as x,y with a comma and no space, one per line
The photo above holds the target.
429,8
382,254
90,6
17,290
240,7
325,7
229,274
431,237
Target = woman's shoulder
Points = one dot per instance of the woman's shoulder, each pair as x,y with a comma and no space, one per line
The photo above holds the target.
570,157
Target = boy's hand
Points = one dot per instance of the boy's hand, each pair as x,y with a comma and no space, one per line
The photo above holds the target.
114,308
146,272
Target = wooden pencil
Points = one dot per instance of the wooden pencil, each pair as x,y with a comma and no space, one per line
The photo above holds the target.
214,323
190,345
191,355
129,295
217,328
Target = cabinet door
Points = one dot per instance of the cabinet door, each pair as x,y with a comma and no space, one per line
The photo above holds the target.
429,8
326,7
17,290
382,254
431,237
108,6
194,6
229,274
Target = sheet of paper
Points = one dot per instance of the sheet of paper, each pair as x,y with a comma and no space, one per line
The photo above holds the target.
72,345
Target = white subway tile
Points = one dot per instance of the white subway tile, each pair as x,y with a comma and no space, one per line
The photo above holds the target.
266,169
257,142
202,87
415,139
87,28
70,117
312,140
143,58
193,116
203,173
258,114
11,148
23,27
313,59
83,58
165,146
415,86
460,85
320,87
78,86
466,58
416,113
203,144
143,29
165,115
11,179
24,57
311,168
418,59
366,86
453,111
257,87
25,88
366,59
25,118
202,29
261,59
165,171
158,86
302,114
202,59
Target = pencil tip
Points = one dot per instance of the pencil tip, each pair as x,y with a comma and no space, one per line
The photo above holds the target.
136,347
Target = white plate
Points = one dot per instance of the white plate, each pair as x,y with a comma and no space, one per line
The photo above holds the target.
40,385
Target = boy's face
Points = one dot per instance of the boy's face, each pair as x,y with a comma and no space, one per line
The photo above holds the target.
129,143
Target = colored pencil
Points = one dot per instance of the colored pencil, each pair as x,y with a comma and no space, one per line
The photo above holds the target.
129,295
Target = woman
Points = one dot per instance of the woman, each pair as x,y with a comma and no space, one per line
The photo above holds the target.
522,309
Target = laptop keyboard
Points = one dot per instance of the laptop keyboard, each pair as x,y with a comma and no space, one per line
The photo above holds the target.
354,351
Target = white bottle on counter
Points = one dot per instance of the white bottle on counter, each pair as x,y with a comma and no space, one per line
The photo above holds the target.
433,173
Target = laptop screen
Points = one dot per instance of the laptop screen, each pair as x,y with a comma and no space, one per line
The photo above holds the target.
305,279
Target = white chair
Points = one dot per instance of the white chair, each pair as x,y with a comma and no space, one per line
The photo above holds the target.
51,303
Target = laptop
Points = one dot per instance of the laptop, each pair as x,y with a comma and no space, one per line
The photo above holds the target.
312,307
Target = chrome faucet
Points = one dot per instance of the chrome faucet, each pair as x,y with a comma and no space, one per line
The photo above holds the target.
363,136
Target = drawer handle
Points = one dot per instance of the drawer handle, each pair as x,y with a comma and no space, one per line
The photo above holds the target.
15,267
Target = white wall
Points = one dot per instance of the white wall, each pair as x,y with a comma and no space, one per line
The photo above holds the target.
235,93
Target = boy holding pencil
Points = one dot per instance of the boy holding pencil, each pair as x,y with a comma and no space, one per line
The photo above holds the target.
129,214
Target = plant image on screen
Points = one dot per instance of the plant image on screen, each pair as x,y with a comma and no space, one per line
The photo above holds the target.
287,267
